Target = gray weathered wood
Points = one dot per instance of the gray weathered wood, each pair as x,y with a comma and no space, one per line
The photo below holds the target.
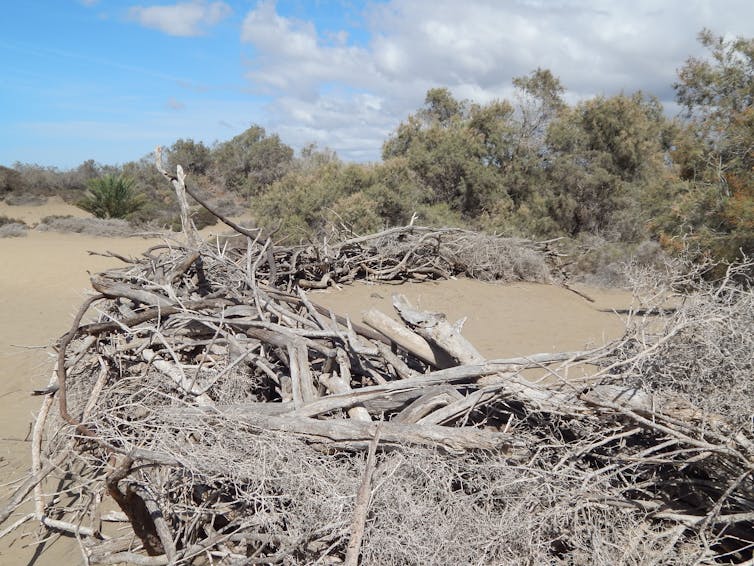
435,328
405,338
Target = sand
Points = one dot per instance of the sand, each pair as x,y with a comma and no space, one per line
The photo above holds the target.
44,278
501,320
32,214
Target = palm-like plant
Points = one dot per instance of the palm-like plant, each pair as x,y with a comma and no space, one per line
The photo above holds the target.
112,196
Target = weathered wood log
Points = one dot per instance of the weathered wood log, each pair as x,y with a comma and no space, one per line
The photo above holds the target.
437,397
459,406
435,328
342,384
176,373
178,181
301,375
399,366
375,404
358,434
358,523
406,339
114,290
527,391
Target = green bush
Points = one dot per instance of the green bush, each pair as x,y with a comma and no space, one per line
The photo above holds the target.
112,196
357,212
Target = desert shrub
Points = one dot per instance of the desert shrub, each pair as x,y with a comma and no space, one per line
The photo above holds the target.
440,215
152,213
228,206
17,198
112,227
299,202
200,216
397,190
7,220
251,161
597,261
357,212
527,219
203,218
32,184
112,197
13,229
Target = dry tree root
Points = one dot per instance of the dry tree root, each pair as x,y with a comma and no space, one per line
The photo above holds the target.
227,418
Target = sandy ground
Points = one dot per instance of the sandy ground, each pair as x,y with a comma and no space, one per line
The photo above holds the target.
32,214
501,320
44,277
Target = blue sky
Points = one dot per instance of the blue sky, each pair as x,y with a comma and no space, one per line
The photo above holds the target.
108,80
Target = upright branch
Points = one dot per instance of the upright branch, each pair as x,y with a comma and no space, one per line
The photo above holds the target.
178,181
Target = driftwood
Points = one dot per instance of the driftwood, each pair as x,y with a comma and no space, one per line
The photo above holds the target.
228,417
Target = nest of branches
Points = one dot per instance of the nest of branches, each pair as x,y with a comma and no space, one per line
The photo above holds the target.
213,413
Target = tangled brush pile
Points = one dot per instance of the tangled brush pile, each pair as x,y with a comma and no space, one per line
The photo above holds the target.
212,413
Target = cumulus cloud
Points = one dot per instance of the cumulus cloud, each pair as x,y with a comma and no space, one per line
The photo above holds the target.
349,96
186,19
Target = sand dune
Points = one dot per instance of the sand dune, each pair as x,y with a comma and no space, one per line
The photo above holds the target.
44,277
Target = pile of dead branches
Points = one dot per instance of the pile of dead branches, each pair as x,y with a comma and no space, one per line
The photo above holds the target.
396,255
213,413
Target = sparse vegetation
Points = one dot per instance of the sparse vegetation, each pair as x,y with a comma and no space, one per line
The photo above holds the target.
13,230
109,227
12,227
7,220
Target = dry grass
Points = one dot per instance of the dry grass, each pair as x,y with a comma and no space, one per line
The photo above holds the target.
708,355
111,227
13,230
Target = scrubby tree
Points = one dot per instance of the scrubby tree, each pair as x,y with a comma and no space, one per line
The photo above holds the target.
540,95
251,161
194,157
303,199
455,150
605,156
10,182
715,152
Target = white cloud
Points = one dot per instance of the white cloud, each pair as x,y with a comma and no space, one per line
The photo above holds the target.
349,96
293,58
185,19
